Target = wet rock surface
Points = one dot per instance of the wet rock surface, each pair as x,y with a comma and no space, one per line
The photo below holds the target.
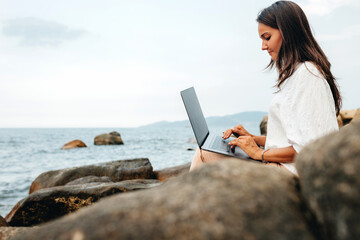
229,200
117,171
330,183
51,203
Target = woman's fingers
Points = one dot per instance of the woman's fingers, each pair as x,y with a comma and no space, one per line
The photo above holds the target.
227,133
243,142
247,144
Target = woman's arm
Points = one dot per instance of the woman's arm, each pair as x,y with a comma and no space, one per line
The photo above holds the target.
250,147
280,155
260,140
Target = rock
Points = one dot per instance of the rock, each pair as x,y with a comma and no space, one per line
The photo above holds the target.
112,138
329,178
89,179
9,232
356,116
3,222
171,172
263,125
51,203
347,115
117,170
340,121
74,144
190,149
232,199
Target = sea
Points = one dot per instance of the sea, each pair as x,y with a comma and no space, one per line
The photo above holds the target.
25,153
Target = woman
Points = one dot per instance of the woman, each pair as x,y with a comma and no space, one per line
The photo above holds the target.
306,101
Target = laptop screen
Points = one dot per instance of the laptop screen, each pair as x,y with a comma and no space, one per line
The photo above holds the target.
195,114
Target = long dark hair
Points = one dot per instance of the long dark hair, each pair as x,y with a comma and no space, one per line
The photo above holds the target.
298,44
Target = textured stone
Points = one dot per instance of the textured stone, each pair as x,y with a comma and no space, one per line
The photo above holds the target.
3,222
347,115
232,199
329,177
263,125
74,144
340,121
89,179
112,138
6,233
117,170
51,203
171,172
356,116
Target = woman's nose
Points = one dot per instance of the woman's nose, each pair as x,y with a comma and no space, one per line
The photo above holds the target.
264,45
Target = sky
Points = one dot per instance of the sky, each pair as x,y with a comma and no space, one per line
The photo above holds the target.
123,63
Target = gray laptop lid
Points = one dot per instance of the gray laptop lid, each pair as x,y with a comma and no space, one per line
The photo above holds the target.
195,115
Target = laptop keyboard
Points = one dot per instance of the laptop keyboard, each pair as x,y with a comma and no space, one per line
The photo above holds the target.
220,143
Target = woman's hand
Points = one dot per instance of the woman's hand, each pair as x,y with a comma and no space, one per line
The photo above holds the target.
239,130
248,145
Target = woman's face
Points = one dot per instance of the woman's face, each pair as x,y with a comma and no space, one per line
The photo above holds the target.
271,40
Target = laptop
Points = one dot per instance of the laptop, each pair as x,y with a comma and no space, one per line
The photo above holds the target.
206,140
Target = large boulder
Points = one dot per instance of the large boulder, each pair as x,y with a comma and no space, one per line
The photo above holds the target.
329,177
74,144
232,199
117,170
166,173
263,125
50,203
3,222
112,138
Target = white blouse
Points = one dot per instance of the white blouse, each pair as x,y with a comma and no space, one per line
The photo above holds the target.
301,111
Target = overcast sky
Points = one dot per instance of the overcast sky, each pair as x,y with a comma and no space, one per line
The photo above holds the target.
118,63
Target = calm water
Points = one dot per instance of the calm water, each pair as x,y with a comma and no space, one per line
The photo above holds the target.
26,153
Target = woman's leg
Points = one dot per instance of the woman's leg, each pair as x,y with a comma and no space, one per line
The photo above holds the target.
203,156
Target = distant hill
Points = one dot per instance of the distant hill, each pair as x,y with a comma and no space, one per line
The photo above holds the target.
250,119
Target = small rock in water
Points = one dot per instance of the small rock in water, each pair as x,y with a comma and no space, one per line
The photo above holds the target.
74,144
191,149
112,138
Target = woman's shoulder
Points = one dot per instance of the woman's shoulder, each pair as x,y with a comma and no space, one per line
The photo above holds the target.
309,70
306,75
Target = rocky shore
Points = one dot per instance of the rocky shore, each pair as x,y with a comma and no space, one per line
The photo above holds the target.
232,199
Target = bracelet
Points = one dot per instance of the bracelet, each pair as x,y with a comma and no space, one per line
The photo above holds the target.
262,155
